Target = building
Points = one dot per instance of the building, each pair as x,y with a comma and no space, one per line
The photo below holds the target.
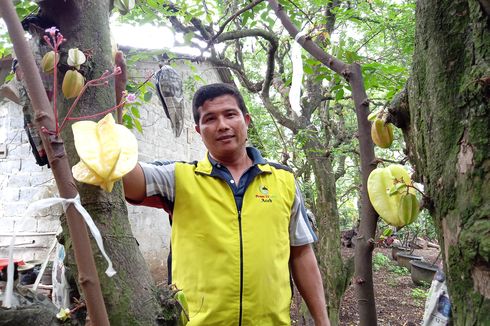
22,181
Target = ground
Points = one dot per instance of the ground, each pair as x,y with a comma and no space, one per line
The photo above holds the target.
398,300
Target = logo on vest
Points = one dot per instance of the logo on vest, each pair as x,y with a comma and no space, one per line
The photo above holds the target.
263,194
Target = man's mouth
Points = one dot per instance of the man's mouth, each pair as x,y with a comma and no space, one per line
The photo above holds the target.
225,137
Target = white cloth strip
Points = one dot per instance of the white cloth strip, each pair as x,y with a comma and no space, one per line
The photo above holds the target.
299,35
48,202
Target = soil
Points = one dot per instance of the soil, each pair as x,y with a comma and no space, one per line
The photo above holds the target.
398,300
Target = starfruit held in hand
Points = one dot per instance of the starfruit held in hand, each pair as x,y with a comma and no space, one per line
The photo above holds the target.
385,188
73,83
107,152
382,133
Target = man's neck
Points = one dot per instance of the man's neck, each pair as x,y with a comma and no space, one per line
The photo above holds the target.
237,164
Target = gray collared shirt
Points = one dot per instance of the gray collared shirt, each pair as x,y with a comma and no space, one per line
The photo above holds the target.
160,181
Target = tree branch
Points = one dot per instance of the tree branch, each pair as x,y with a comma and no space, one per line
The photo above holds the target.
233,16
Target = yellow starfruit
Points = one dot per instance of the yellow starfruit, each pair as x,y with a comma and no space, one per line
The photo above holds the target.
381,133
384,200
107,152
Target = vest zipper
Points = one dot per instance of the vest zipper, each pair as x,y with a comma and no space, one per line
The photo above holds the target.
241,266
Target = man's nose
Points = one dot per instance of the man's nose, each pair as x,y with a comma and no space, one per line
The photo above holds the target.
222,124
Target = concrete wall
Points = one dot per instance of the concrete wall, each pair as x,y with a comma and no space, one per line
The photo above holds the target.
22,181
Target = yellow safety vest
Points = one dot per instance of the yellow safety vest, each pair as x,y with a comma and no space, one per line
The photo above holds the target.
233,266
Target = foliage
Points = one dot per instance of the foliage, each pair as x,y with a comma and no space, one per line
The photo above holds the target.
380,260
23,8
398,270
420,294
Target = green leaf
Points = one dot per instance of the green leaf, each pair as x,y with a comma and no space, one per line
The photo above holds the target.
147,96
387,232
199,78
128,121
308,69
137,124
340,94
135,112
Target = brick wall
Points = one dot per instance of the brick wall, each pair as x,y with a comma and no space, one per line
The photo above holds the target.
22,181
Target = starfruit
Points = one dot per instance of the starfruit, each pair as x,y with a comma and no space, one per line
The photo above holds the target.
382,133
48,61
408,208
124,6
107,152
76,58
380,184
73,83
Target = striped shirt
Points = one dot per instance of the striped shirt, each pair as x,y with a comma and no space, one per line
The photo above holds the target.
160,183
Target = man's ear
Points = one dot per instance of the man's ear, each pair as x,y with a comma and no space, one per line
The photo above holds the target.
197,129
247,119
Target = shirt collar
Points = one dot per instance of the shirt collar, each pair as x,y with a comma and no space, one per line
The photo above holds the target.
252,152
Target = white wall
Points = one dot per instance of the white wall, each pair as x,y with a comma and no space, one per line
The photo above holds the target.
21,178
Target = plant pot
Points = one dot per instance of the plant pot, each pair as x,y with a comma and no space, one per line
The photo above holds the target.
396,250
422,272
404,259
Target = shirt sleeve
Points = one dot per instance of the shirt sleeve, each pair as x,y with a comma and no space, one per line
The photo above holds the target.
160,180
300,230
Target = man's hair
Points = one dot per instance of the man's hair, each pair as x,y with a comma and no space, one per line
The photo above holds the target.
211,91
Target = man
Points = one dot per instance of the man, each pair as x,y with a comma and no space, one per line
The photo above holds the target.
238,223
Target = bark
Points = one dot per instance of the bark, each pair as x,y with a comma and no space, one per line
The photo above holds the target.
335,273
448,141
129,295
363,279
59,164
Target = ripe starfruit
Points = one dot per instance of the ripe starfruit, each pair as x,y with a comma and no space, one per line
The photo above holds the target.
107,151
381,184
73,83
48,61
381,133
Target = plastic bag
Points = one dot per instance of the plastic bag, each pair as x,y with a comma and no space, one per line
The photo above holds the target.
438,306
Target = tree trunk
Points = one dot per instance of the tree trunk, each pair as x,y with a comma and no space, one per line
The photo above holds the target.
128,295
448,143
335,273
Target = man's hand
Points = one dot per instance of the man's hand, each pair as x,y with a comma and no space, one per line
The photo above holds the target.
308,280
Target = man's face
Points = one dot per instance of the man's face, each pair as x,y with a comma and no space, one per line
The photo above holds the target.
223,127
